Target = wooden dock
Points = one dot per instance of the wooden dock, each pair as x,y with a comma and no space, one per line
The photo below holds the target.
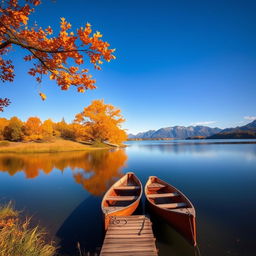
129,236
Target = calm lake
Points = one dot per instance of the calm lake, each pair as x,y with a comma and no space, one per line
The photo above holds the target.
63,192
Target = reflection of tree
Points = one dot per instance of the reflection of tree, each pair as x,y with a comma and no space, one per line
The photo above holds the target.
97,169
105,167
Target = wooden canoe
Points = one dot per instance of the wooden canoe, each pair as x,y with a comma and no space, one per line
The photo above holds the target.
122,198
173,206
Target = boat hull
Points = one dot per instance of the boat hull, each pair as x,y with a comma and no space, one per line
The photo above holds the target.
184,223
181,219
112,192
125,212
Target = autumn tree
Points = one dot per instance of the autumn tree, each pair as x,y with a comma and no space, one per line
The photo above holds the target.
78,131
14,130
60,55
64,129
3,123
102,122
47,129
33,129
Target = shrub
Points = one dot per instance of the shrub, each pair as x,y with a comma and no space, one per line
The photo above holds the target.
17,238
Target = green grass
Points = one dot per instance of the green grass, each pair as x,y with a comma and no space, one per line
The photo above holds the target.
17,238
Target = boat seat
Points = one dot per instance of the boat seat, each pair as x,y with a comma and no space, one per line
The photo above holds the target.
172,205
127,187
121,198
113,208
155,185
163,195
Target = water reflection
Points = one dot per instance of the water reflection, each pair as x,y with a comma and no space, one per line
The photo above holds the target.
218,178
196,148
95,171
102,173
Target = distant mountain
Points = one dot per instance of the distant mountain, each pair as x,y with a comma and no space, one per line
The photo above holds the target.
142,135
177,132
243,132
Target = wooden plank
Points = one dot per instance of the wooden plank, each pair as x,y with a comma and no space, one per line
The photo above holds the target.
123,224
121,246
128,240
172,205
163,195
148,244
126,229
156,185
131,245
132,217
130,226
130,249
129,236
129,220
129,254
121,198
131,232
134,237
113,208
127,188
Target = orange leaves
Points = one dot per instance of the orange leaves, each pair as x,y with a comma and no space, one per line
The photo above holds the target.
102,122
58,55
33,129
64,25
35,2
73,70
4,103
49,30
24,19
6,70
80,89
42,95
28,57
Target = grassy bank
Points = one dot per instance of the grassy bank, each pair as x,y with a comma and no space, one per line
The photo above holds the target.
18,238
59,145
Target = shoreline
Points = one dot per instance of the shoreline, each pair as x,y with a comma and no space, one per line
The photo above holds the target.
59,145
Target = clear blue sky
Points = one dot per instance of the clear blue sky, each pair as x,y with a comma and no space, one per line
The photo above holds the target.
178,63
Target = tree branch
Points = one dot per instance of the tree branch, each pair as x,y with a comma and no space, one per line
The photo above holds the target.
5,44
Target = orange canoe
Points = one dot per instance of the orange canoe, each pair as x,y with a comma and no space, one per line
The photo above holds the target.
122,198
173,206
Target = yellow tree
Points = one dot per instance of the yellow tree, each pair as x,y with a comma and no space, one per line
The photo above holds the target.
3,123
79,132
14,130
102,122
33,129
47,129
61,56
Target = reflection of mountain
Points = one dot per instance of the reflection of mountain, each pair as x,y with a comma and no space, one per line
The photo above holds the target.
97,169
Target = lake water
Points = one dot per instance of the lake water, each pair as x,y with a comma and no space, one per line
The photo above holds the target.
63,192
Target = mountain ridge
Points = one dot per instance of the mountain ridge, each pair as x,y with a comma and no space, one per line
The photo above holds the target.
247,131
183,132
177,132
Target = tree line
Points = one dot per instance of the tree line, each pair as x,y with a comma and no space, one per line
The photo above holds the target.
98,122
